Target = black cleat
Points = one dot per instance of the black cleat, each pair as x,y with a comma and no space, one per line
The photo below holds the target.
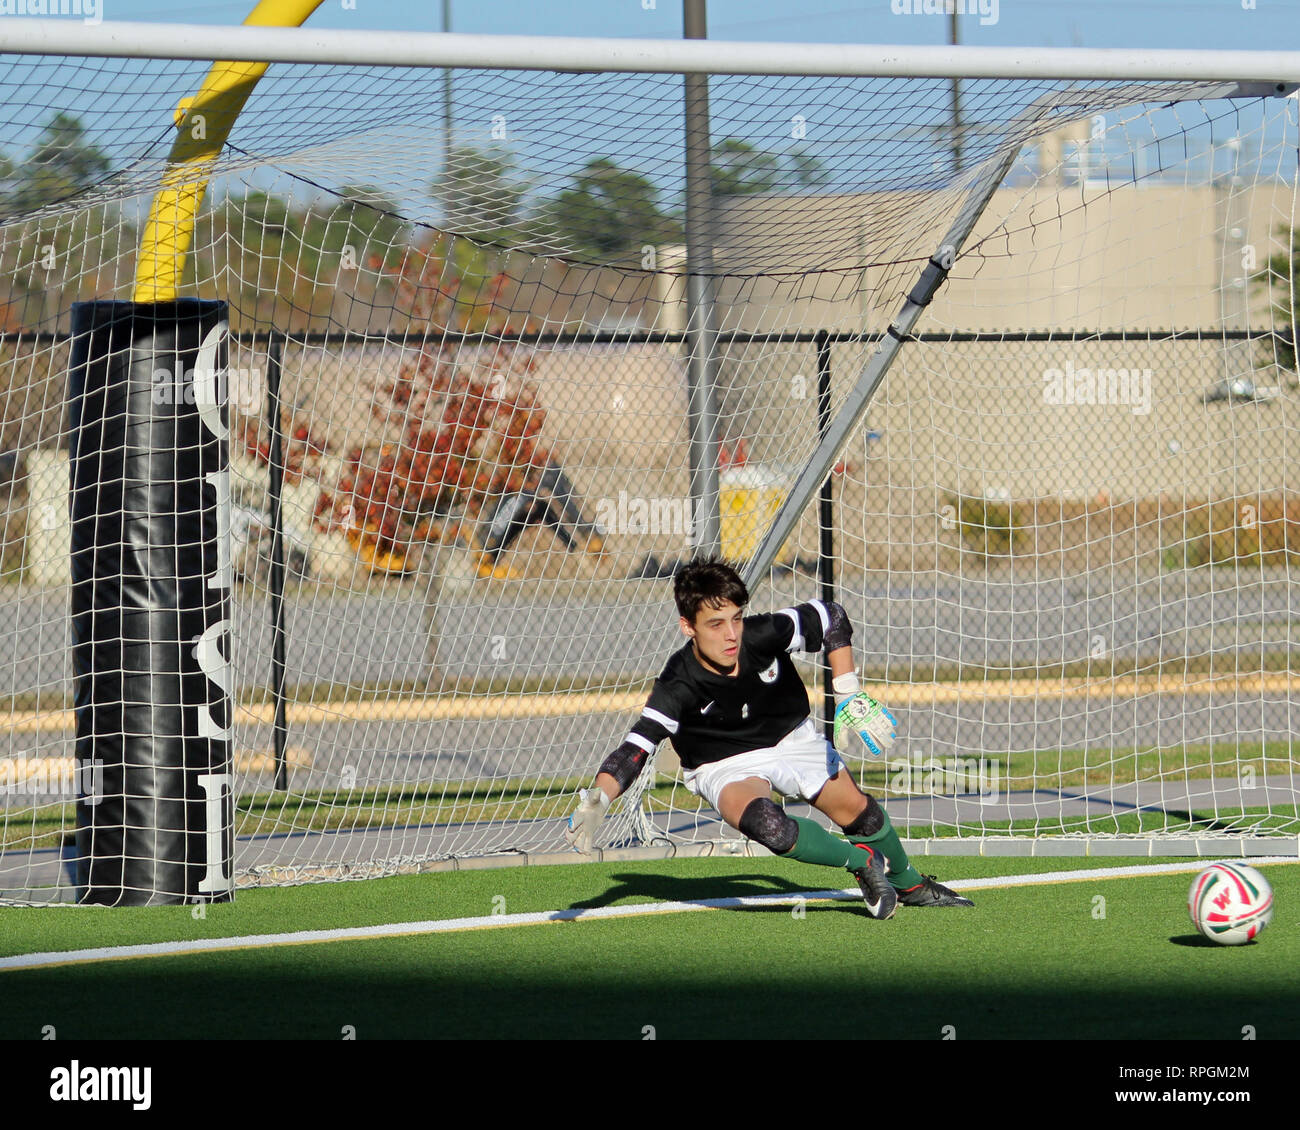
880,897
929,893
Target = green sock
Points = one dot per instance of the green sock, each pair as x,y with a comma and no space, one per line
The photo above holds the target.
902,875
816,845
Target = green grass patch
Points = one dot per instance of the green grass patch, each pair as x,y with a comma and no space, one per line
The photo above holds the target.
1282,820
1084,768
1100,958
398,806
542,798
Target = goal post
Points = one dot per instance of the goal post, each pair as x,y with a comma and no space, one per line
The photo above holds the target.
1053,433
203,123
150,602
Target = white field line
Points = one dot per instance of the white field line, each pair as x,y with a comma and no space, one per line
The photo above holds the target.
497,921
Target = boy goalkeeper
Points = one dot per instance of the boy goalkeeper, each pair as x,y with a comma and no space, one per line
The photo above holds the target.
736,711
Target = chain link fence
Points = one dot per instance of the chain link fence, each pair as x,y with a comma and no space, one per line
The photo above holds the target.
988,464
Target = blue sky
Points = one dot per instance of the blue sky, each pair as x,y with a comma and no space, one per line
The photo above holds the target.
547,165
1054,23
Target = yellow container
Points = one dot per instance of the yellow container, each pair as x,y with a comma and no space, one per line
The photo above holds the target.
749,498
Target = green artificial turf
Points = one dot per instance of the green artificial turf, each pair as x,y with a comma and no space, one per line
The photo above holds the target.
1043,962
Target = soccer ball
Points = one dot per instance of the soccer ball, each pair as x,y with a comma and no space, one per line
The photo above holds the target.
1230,903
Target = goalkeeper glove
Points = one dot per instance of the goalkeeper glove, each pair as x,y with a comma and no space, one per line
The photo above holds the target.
868,719
585,820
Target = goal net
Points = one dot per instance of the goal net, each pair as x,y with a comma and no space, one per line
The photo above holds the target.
494,365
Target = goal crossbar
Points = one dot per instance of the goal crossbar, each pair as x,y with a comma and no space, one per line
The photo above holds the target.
643,56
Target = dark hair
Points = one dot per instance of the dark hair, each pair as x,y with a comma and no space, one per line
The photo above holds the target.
707,583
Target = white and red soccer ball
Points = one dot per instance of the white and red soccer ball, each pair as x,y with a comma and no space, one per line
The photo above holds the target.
1230,903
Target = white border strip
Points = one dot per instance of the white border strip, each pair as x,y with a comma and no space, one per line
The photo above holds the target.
497,921
647,56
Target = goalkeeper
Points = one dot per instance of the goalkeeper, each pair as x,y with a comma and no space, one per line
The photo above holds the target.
737,713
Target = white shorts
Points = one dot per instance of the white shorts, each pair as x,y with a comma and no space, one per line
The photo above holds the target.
799,765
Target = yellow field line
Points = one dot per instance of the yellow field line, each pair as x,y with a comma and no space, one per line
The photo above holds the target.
517,706
57,774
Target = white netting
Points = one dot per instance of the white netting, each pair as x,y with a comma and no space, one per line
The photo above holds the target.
1073,590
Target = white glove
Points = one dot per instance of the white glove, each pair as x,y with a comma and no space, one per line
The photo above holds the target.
581,829
869,720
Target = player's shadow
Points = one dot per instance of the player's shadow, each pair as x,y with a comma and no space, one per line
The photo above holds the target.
669,888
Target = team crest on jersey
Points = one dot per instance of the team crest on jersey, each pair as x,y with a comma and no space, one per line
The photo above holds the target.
769,676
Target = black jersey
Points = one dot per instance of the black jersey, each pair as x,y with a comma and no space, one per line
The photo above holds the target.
709,716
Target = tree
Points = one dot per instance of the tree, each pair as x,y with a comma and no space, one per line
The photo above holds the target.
280,265
484,203
464,441
361,230
56,249
1281,277
453,430
245,250
740,168
478,196
607,213
62,164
